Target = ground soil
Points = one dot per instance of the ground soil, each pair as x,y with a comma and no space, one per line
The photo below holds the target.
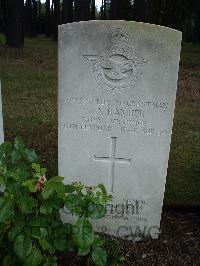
178,244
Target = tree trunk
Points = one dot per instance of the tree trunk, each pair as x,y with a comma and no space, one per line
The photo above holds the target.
153,11
139,10
197,25
56,19
113,9
81,10
34,18
14,23
2,15
67,11
93,10
47,19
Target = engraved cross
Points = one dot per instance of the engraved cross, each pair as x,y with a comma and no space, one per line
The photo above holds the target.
112,160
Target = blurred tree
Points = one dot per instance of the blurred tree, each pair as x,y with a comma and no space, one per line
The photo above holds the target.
197,24
14,21
56,18
47,19
120,9
139,10
93,10
2,15
82,10
67,11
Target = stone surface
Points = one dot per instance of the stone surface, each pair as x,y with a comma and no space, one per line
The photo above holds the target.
117,89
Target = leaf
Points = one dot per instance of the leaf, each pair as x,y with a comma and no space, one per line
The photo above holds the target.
46,246
60,244
22,246
82,233
36,167
14,231
30,184
4,148
6,209
26,203
103,189
43,171
34,258
73,203
35,232
83,252
99,256
98,241
56,203
19,144
2,181
96,211
64,230
30,155
49,261
56,179
15,156
47,190
45,208
59,188
69,188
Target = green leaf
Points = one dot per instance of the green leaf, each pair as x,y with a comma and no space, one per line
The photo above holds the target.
55,202
96,211
15,156
69,188
45,208
73,203
30,184
43,171
82,233
57,179
46,246
26,203
30,155
6,209
49,261
34,258
19,144
83,252
60,244
22,246
35,232
59,188
4,148
99,256
47,190
64,230
14,231
98,241
103,189
2,181
36,167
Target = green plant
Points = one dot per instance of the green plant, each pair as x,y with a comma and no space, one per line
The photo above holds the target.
30,227
87,203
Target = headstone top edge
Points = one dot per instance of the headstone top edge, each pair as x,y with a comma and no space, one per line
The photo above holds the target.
110,22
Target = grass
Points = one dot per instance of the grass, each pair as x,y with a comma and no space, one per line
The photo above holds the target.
29,89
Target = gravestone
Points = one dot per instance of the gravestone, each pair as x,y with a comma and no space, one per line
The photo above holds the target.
117,90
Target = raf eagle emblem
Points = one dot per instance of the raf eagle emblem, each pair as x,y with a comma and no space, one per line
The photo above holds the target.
118,67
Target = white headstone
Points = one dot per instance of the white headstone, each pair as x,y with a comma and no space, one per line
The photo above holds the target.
117,89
